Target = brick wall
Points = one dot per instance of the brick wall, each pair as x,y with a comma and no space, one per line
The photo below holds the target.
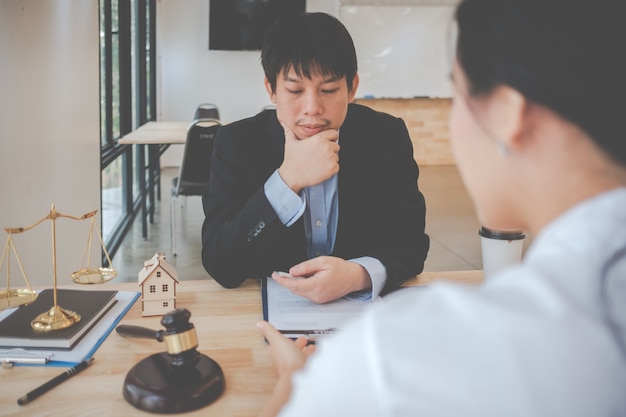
427,122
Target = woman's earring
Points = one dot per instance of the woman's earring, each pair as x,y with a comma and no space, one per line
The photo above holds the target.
502,149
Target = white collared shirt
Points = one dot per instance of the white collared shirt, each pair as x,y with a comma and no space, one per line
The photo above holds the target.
544,338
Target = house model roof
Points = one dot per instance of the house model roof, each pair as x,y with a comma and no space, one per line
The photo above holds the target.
158,260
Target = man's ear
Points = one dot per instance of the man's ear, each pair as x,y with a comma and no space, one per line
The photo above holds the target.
270,92
355,86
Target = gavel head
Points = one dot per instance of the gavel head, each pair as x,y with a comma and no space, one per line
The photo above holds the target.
179,336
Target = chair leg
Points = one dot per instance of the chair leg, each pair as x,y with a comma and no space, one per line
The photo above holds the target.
173,224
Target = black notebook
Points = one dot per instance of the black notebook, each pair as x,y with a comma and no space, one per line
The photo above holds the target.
16,331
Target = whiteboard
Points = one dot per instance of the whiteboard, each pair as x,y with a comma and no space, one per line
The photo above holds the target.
402,51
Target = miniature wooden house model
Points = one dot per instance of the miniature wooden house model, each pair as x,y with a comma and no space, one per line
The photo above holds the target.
158,281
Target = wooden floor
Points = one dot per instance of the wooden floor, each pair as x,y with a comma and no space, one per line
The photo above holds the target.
450,222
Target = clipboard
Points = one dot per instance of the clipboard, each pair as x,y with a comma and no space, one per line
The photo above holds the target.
296,316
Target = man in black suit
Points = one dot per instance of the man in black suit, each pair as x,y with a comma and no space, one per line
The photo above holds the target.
321,188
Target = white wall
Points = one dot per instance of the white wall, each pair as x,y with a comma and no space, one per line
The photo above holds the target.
189,74
403,51
49,131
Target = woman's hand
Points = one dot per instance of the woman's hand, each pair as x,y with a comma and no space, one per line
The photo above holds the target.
287,357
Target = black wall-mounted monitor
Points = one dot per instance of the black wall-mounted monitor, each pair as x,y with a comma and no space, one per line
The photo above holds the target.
239,25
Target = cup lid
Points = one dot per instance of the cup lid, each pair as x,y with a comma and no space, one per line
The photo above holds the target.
501,234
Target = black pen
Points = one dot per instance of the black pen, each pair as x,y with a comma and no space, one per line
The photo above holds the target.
310,335
54,382
307,333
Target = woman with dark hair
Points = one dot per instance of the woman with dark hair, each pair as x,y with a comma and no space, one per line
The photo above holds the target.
536,129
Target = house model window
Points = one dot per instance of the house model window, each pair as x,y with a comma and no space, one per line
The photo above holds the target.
157,273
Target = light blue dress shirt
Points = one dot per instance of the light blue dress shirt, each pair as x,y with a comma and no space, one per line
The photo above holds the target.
320,206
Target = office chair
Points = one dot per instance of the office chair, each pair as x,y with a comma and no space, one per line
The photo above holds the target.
193,177
207,111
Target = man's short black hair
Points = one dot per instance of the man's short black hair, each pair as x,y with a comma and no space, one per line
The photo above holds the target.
308,43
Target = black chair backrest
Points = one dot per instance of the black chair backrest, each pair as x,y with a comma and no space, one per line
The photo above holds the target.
207,111
195,168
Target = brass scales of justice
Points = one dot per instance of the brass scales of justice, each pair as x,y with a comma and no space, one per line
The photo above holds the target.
57,317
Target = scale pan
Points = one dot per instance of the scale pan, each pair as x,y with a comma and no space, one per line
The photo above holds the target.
15,297
94,275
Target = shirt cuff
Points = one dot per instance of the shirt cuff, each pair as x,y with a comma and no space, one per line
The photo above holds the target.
288,205
378,275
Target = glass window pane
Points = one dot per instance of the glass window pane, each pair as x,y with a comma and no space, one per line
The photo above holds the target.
119,106
116,86
114,16
134,173
103,93
149,115
112,197
133,60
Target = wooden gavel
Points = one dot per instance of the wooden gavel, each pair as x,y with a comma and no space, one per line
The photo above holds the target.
180,379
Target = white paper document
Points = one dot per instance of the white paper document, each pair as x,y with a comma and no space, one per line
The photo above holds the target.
296,316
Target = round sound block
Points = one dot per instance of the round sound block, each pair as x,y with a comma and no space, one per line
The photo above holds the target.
155,385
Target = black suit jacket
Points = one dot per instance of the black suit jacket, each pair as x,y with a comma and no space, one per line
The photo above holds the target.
381,211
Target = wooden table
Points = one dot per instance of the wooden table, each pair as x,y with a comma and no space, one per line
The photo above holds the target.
225,323
158,136
157,133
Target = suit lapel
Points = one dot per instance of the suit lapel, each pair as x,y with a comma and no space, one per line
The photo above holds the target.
352,174
276,135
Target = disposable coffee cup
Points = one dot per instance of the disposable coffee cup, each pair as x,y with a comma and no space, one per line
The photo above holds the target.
500,249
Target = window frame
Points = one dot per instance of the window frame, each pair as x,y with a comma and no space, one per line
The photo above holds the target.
135,31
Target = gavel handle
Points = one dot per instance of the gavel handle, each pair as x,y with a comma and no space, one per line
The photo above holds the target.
138,331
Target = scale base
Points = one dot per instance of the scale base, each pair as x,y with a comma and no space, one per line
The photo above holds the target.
157,386
54,319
